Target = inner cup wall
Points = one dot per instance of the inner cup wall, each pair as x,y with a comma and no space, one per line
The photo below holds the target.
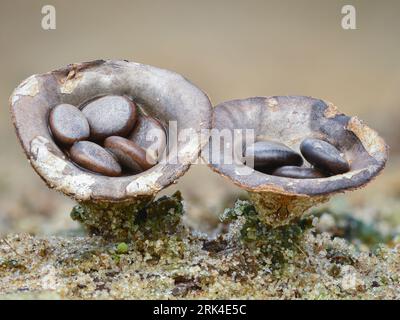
290,120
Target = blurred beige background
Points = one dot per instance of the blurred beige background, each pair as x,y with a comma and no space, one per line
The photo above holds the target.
231,49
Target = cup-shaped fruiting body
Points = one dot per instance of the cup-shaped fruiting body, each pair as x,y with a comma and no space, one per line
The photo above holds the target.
160,94
290,120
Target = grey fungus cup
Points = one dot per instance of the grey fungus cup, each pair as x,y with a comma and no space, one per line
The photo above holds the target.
163,95
351,153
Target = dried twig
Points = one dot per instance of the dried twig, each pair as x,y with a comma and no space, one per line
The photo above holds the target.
12,248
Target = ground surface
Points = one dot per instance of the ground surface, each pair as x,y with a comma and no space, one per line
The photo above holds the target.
351,251
359,78
245,261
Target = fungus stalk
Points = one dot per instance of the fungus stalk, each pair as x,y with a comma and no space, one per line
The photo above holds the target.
340,153
110,220
279,209
140,219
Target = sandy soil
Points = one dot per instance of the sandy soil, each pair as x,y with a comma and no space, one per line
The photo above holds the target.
231,49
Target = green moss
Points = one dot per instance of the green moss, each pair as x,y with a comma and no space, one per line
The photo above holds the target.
78,213
159,218
138,220
278,244
122,248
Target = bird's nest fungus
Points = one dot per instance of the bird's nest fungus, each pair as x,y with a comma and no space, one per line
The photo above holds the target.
113,103
156,93
291,120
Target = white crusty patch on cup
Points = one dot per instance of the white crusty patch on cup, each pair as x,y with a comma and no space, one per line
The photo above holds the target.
189,152
29,87
52,169
145,184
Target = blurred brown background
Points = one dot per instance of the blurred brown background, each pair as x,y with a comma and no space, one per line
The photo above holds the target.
231,49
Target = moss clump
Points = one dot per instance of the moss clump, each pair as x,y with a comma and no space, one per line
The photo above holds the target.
138,220
159,229
277,244
112,221
159,218
122,248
